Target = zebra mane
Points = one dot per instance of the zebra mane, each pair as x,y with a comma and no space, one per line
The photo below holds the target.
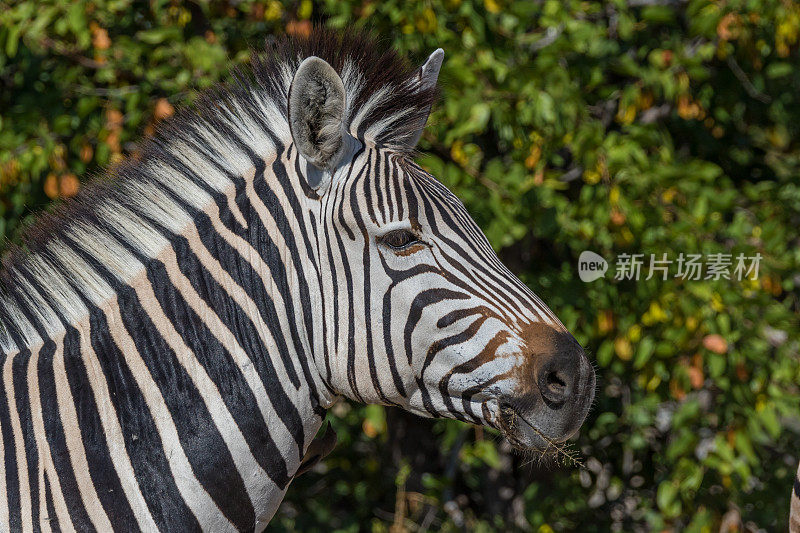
218,138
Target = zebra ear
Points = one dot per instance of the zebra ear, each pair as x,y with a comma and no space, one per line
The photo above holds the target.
316,112
428,73
427,76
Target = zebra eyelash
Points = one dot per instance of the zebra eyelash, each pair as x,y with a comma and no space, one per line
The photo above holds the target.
400,240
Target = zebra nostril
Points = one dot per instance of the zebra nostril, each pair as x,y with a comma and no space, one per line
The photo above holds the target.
556,381
555,386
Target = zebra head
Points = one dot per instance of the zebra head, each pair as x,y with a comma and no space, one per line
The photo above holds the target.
419,311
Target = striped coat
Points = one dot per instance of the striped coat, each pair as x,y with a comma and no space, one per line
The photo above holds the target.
170,340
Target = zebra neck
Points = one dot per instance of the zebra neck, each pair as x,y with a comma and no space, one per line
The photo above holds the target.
250,245
235,259
176,346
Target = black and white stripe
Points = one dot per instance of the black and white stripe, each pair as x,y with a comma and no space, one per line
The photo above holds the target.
169,341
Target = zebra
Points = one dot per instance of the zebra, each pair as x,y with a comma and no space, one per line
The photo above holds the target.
171,339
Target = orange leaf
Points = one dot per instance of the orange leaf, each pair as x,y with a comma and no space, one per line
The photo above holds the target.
695,376
728,27
100,39
86,153
113,141
68,185
715,343
676,391
301,28
369,429
51,186
741,372
163,109
605,321
114,119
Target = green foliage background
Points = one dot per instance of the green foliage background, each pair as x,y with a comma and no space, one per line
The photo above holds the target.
628,126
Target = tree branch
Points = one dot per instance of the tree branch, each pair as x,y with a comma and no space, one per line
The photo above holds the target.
746,83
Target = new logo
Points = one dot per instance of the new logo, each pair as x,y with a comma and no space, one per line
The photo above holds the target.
591,266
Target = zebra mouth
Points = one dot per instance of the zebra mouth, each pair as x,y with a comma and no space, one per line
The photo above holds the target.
522,434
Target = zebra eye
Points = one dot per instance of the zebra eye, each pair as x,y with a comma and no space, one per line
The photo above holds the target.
399,239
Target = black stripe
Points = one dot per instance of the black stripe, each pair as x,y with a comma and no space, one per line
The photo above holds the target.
284,225
453,340
335,286
463,257
367,275
19,375
45,359
348,276
51,511
397,180
57,441
378,179
500,283
325,354
278,271
343,225
268,254
101,468
422,300
390,185
397,276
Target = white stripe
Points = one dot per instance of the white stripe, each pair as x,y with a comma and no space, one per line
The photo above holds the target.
158,248
74,441
46,465
44,519
19,446
281,432
45,461
246,464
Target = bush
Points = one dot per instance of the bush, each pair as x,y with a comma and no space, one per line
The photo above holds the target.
637,126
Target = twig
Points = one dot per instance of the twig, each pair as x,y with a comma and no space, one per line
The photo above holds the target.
647,3
550,35
746,83
101,91
561,449
654,114
572,174
70,53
